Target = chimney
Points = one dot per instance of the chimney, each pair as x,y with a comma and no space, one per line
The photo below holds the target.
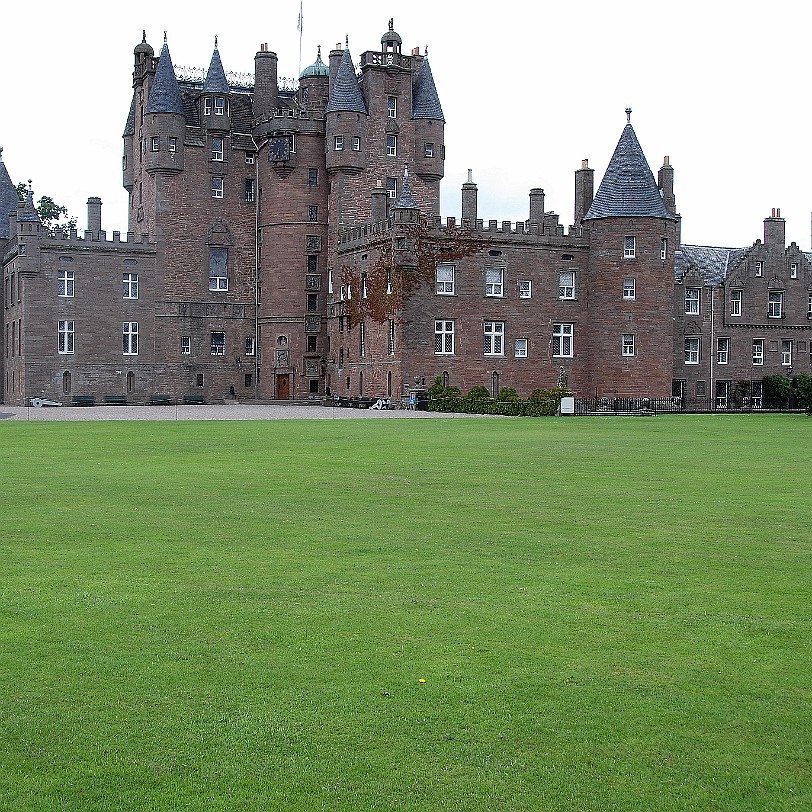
665,182
265,82
584,190
537,206
94,205
775,230
469,194
379,200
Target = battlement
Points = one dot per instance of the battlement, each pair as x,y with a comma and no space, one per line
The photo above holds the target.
99,238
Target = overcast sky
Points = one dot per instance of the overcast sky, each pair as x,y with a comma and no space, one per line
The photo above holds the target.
528,92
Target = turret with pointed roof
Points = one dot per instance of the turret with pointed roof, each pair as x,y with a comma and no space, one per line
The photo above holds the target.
216,81
426,102
345,95
164,96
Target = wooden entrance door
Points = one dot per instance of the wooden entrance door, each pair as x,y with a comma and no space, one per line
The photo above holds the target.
283,387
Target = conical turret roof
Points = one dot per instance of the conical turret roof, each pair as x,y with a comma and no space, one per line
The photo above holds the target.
129,127
29,213
8,198
318,68
406,201
426,102
628,188
165,94
345,95
216,81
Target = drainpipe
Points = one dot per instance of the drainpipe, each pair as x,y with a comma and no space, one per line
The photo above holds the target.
712,350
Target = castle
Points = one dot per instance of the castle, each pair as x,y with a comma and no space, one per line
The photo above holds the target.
285,242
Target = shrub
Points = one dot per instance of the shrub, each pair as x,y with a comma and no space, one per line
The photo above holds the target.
803,392
776,391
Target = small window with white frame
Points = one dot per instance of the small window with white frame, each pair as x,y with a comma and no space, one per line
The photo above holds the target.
692,301
250,346
786,353
218,343
65,284
207,106
444,280
793,270
627,345
391,146
217,149
563,346
629,288
217,188
692,348
520,348
775,304
154,143
525,289
173,144
566,285
428,150
392,187
219,106
185,345
356,143
758,352
629,247
391,107
444,337
809,306
759,271
722,350
735,303
494,338
494,281
663,248
65,337
250,157
218,268
129,285
129,338
338,143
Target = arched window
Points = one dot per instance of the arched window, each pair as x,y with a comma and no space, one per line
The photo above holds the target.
66,382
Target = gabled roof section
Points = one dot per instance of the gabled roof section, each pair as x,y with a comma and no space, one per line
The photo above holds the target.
165,95
216,81
8,198
711,263
628,188
425,101
129,127
345,95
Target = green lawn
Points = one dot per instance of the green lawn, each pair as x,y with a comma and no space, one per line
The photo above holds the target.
609,614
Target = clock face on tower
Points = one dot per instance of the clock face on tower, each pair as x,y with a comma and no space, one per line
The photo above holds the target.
280,148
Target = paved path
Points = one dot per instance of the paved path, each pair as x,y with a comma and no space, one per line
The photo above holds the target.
236,411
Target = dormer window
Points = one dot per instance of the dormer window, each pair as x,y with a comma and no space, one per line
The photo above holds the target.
391,107
219,106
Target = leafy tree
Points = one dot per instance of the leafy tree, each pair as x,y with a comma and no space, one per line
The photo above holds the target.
50,212
776,391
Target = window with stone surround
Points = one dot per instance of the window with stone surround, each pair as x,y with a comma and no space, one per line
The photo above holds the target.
444,280
444,337
217,187
129,284
735,303
64,285
129,338
65,337
629,247
758,352
494,338
627,345
218,343
218,268
563,335
217,149
520,348
566,285
775,304
391,146
722,350
494,281
692,347
629,288
692,301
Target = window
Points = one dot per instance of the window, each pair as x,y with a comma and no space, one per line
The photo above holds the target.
809,307
249,380
562,341
520,348
444,280
494,279
364,291
219,105
793,270
722,350
692,301
217,187
340,357
691,350
663,249
566,285
362,339
130,285
758,352
250,346
250,157
312,262
775,302
199,379
217,149
338,143
65,284
218,343
311,343
494,338
248,192
735,303
130,338
629,288
330,280
391,107
313,177
66,382
428,150
786,353
759,268
391,343
627,345
185,345
313,214
173,144
629,248
391,146
700,389
207,106
443,337
153,143
218,268
65,340
392,187
525,288
312,302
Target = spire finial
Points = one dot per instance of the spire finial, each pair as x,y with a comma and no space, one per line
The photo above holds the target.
1,153
391,23
425,50
318,52
628,115
215,41
346,40
164,37
144,35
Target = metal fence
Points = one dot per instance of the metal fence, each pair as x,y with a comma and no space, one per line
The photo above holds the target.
677,405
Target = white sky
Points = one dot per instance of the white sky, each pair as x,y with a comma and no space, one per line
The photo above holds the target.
718,85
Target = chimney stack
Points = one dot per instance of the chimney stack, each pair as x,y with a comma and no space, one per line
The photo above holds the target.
584,190
469,201
665,182
775,230
94,205
537,207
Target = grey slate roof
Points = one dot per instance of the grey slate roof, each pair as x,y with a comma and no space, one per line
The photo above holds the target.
345,95
8,198
710,262
425,101
216,81
406,201
29,214
628,188
129,127
165,95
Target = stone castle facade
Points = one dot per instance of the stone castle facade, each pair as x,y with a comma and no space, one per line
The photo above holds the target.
285,242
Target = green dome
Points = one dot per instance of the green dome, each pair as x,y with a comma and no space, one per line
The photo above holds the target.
318,68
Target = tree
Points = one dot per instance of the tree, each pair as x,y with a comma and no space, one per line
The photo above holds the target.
50,212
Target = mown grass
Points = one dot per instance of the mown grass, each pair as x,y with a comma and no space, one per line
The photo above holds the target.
608,614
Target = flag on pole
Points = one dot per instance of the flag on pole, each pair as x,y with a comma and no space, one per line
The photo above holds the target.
300,28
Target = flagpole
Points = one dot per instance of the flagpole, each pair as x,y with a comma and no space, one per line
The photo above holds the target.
300,26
